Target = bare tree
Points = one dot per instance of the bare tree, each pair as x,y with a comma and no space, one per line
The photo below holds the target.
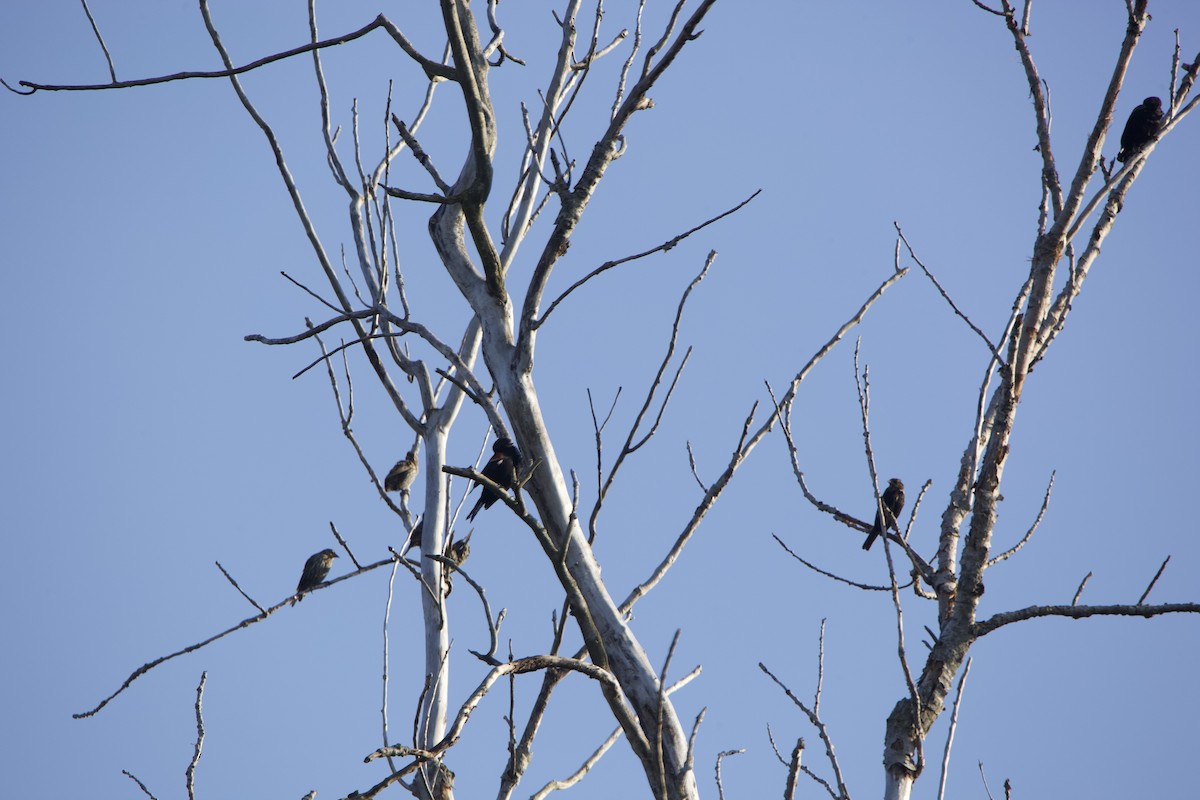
431,374
369,300
1076,216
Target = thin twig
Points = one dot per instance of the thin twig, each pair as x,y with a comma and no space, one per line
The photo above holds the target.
821,731
493,627
1029,533
946,296
142,670
721,756
665,246
235,585
827,574
1153,581
191,770
345,546
387,612
96,30
378,22
986,788
962,680
141,785
1079,591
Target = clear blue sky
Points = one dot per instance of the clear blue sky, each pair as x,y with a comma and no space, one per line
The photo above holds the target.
143,235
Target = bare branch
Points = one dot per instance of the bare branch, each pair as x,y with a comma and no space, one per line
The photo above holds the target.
604,747
420,155
387,613
96,30
1079,591
748,441
342,542
576,201
142,670
235,585
493,626
720,757
630,445
1079,612
1153,581
816,722
665,246
141,785
986,788
1029,533
827,574
584,768
987,9
191,770
228,72
912,254
962,680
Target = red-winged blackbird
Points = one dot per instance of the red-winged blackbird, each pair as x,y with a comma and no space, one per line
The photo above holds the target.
402,475
315,570
502,469
1144,122
893,502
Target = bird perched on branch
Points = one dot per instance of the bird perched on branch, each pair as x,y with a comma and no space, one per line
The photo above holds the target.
892,502
315,570
1144,122
458,552
402,475
501,468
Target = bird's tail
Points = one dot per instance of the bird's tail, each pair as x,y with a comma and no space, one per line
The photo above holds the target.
870,540
478,507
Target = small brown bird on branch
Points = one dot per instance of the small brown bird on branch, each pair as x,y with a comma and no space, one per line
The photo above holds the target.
402,475
458,552
1144,122
315,570
892,501
501,468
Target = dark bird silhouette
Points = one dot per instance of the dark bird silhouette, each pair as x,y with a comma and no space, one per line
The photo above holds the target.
402,475
315,570
502,469
1144,122
893,502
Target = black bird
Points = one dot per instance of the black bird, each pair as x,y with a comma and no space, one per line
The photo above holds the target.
893,502
1144,122
402,475
315,570
502,469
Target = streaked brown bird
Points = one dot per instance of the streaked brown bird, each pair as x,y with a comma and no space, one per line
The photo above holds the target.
502,469
315,570
1142,125
892,501
402,475
458,552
